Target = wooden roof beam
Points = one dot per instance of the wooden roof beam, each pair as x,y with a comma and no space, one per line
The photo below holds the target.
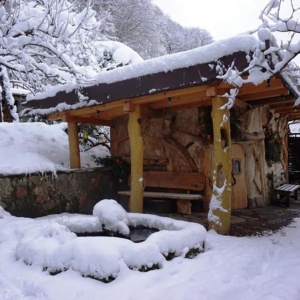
177,99
289,109
275,83
170,102
138,100
187,106
274,101
257,95
241,104
294,117
57,116
105,114
282,103
89,121
169,94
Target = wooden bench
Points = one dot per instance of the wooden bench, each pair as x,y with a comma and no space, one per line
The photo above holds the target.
179,186
282,190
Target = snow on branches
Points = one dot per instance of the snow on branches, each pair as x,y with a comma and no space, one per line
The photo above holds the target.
275,52
39,40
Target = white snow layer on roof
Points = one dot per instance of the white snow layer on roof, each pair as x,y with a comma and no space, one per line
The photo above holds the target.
205,54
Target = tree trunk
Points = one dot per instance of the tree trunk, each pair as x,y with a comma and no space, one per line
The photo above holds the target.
7,100
220,204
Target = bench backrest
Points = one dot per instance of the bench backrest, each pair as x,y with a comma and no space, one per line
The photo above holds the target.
194,181
278,179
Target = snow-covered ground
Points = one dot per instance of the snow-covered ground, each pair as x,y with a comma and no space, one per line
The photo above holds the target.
235,268
265,267
38,147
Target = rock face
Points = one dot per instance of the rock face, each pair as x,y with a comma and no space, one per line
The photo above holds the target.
182,141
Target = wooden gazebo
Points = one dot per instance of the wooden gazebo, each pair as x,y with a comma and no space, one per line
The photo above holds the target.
179,81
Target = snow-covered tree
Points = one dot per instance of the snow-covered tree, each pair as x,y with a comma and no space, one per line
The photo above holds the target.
172,36
145,28
41,41
135,25
279,36
176,38
196,37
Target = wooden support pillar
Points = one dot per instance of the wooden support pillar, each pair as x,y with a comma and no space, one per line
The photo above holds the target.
73,145
220,204
137,157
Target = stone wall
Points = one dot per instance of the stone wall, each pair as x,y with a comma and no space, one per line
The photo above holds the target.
74,191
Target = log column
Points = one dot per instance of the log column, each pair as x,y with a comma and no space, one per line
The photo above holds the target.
73,145
220,204
137,157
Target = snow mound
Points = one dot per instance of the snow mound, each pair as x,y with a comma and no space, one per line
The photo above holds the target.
178,238
112,216
38,147
3,212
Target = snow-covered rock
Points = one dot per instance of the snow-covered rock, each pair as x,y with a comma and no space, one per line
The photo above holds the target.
112,216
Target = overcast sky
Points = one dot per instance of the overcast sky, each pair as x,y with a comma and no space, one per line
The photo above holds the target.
222,19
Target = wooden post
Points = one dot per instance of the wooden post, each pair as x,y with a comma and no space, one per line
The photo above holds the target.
137,157
220,204
73,145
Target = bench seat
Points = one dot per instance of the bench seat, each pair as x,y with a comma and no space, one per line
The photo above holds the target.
282,190
186,181
163,195
287,188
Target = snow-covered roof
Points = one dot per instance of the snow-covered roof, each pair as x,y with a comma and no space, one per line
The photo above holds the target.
196,67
